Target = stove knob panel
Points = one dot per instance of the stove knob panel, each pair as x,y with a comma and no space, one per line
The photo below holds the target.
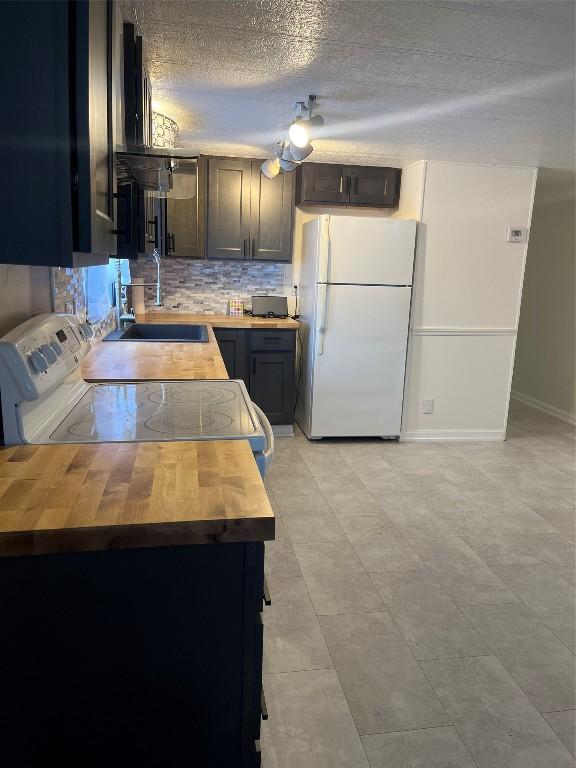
57,348
37,362
48,353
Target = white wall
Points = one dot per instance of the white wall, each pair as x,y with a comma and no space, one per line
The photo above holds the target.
544,373
467,289
24,292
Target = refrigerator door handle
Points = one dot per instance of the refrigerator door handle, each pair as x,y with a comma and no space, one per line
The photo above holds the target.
322,313
325,253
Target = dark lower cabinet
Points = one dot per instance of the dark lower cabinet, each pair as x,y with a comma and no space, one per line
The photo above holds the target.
137,657
272,384
234,350
58,67
351,185
265,361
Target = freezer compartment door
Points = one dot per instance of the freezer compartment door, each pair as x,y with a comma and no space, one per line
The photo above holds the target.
369,251
359,362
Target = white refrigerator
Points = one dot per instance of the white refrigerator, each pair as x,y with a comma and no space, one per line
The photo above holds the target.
355,292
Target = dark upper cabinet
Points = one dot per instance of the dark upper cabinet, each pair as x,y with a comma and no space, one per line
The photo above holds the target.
271,216
57,69
369,186
373,186
137,92
138,221
322,183
185,209
228,220
249,216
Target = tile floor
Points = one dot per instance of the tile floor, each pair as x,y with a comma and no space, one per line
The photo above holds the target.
423,602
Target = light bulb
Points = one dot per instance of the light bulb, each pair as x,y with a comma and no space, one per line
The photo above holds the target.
298,133
271,168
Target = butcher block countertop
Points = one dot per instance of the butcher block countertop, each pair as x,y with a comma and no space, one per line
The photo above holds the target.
71,498
141,361
221,321
154,360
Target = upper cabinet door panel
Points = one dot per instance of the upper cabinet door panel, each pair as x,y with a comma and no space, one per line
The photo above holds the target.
94,115
271,216
229,183
185,212
376,187
322,183
137,92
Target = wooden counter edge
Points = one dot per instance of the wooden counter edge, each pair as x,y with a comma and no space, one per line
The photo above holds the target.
137,536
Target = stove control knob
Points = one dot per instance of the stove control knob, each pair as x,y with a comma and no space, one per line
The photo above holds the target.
87,330
57,348
47,352
37,362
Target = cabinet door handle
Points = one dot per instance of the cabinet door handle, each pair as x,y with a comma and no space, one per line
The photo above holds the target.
263,707
341,184
267,598
154,223
253,247
385,186
172,243
244,248
348,181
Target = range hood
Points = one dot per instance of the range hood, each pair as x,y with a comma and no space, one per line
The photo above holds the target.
153,169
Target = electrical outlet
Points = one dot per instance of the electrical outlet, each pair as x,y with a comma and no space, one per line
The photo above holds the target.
428,406
516,235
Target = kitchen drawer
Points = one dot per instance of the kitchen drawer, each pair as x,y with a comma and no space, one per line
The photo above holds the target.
268,341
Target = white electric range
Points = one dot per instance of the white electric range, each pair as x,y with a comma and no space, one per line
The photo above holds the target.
45,400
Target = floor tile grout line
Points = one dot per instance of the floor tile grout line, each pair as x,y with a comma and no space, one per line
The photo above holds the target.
336,672
502,662
521,690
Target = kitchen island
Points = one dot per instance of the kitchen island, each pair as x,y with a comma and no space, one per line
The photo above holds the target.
132,589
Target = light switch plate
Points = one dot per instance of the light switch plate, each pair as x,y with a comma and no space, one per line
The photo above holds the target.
516,235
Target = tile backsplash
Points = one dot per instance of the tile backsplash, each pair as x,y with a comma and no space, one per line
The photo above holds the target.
70,297
206,286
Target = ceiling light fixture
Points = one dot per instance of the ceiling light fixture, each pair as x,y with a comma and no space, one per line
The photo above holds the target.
297,154
290,153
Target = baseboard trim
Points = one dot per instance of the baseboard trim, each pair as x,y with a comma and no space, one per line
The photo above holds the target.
446,435
283,430
540,405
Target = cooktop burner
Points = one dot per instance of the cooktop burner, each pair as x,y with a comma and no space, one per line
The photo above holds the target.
170,410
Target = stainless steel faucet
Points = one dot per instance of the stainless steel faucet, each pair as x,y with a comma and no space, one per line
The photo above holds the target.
158,302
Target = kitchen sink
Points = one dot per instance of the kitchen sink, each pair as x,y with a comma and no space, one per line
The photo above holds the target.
161,332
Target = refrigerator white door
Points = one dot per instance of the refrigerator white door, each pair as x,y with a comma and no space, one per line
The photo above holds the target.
358,368
370,251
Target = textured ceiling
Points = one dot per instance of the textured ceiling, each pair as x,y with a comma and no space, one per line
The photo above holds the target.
465,80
